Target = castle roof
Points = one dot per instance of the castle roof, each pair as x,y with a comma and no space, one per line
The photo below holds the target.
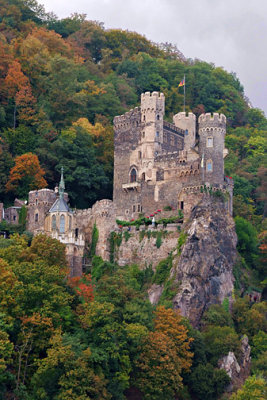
60,205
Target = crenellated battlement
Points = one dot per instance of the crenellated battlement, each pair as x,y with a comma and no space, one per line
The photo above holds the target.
128,119
148,95
209,119
184,116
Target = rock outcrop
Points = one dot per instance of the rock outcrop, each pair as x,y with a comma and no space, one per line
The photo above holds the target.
238,372
203,270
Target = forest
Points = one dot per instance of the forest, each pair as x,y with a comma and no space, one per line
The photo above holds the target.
62,81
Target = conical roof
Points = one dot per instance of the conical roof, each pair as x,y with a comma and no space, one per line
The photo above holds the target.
60,204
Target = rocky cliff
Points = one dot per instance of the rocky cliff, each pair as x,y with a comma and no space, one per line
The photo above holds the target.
203,270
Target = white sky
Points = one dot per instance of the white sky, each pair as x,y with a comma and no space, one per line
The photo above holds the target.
228,33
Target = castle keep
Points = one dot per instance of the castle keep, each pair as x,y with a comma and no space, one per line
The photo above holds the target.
157,164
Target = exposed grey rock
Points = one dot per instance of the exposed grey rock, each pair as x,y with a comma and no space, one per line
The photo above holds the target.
229,364
204,268
238,372
154,293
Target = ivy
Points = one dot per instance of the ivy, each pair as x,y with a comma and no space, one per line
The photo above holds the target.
126,236
95,235
181,241
162,270
159,239
115,240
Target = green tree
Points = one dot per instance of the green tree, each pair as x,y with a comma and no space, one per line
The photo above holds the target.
254,388
208,382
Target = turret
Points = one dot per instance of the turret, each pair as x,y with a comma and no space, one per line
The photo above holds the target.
212,129
188,124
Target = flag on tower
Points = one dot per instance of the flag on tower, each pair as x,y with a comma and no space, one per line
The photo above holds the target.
182,83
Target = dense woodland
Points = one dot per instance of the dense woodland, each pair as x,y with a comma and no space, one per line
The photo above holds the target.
61,84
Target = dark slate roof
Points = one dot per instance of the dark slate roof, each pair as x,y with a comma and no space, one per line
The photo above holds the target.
60,205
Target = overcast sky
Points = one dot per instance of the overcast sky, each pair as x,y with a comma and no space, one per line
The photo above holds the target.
228,33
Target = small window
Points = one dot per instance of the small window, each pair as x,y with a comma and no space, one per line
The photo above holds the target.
186,132
209,142
133,175
158,117
62,224
36,202
144,118
54,223
157,135
139,155
70,223
165,139
36,217
209,166
14,217
134,208
144,134
172,140
138,208
143,176
181,205
76,233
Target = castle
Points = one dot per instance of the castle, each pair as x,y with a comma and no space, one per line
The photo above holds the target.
157,164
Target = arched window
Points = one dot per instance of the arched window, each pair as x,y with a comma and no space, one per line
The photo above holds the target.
62,224
158,117
76,233
209,166
36,217
143,176
133,175
54,223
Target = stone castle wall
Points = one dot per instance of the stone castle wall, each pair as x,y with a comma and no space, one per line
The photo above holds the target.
143,250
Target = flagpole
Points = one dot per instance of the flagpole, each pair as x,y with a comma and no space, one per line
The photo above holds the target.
184,92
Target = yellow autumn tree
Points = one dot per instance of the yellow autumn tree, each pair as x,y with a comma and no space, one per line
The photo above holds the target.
165,354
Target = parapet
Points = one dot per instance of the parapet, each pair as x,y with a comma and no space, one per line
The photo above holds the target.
121,121
148,95
215,119
184,116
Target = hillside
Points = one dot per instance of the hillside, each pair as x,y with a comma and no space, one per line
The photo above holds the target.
61,84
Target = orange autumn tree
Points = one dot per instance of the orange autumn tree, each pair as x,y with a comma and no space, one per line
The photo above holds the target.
83,287
26,175
164,355
17,87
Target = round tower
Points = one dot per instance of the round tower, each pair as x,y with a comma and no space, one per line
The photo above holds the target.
188,124
152,112
212,129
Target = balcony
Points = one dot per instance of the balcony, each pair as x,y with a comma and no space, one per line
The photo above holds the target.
131,186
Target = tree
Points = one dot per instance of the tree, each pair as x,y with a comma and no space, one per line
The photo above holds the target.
208,382
247,240
165,353
219,341
6,163
26,175
255,388
66,374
